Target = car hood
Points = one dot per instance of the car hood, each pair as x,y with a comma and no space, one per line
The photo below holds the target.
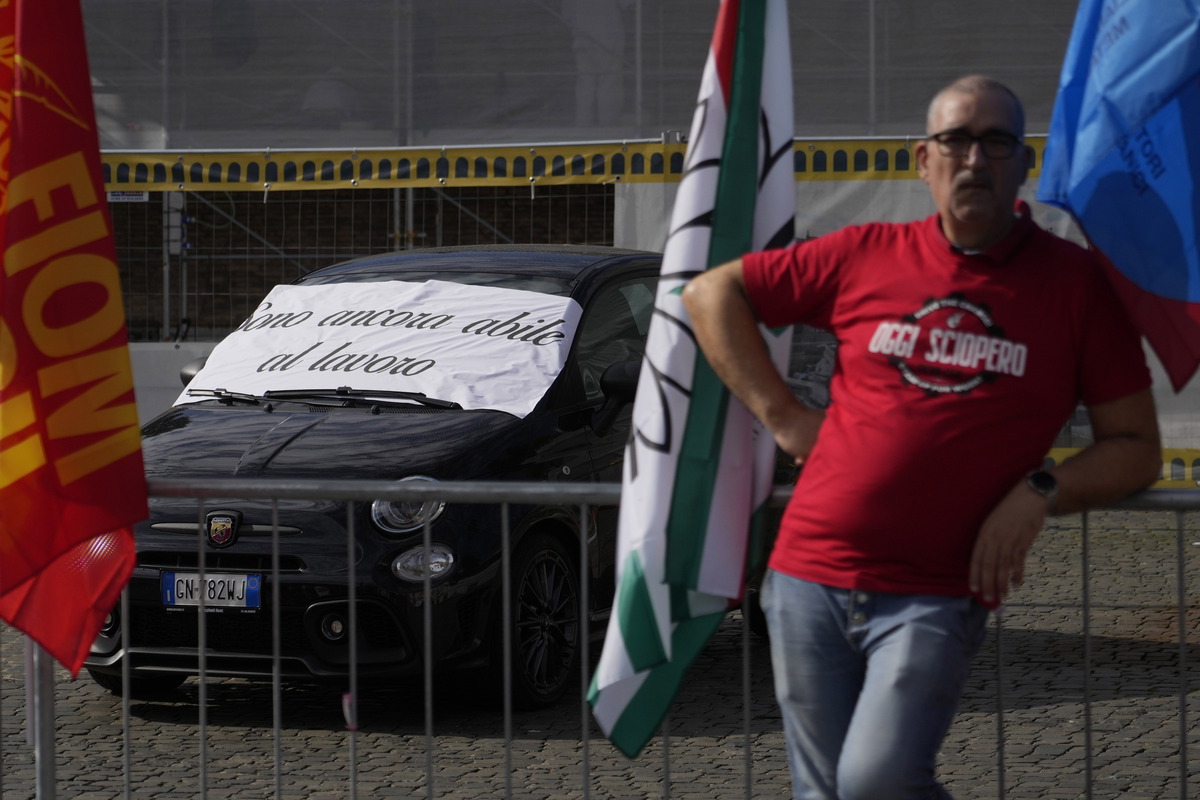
221,442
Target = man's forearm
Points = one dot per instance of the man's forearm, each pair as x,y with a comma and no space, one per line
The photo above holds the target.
727,331
1106,472
1126,456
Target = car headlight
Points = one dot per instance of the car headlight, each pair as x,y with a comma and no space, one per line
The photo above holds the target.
413,565
408,515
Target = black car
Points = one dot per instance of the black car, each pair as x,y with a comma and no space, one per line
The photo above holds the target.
346,431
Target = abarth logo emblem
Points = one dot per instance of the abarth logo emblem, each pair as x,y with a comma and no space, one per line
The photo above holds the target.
222,528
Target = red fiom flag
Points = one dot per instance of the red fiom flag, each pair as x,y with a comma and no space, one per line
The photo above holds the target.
71,476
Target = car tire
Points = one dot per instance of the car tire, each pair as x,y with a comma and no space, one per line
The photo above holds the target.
546,624
140,687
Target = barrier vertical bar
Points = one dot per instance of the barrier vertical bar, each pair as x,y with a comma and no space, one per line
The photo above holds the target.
747,758
1181,600
666,740
999,615
1,720
42,675
276,653
202,652
1087,659
126,669
427,656
584,647
351,706
506,627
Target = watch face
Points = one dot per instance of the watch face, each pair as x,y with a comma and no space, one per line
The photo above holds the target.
1042,481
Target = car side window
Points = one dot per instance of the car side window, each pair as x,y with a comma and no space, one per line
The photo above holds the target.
810,367
614,328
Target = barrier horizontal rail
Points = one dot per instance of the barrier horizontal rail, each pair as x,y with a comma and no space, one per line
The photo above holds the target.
515,492
1160,500
449,491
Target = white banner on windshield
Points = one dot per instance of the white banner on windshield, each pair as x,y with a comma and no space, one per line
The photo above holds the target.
480,347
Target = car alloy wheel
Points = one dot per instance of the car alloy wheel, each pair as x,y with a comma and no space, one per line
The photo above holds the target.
546,621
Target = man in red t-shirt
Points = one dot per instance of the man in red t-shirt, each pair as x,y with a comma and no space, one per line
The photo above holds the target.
965,341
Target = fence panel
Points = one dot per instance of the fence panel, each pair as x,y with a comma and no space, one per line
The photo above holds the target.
1088,677
195,264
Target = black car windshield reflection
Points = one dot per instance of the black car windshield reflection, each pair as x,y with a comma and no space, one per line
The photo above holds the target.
527,283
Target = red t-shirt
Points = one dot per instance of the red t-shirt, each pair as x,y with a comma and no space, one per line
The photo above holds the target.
955,372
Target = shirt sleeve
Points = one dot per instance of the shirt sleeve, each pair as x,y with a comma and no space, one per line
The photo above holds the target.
1112,361
797,284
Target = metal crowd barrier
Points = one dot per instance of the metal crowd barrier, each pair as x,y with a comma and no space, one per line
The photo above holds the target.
585,496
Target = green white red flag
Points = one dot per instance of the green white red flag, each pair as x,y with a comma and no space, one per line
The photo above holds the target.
698,467
71,475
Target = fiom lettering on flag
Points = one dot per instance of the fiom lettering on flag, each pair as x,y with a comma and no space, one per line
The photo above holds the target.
71,476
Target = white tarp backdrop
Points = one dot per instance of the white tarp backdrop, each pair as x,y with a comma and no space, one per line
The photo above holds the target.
209,74
249,74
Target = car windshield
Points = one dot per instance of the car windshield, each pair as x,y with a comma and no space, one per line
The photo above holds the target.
477,347
542,284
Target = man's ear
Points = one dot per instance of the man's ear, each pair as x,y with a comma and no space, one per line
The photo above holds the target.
1028,156
920,155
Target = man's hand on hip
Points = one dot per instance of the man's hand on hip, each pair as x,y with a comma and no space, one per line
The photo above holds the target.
797,434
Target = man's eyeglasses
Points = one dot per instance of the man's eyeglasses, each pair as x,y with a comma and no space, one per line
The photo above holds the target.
994,144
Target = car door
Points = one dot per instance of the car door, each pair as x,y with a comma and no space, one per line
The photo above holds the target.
613,329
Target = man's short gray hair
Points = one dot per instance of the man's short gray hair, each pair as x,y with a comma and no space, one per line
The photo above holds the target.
977,84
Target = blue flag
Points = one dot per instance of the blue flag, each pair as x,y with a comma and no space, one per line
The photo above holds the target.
1123,156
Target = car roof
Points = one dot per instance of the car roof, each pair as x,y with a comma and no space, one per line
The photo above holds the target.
567,263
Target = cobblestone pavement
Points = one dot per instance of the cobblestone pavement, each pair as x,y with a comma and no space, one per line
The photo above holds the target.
1134,687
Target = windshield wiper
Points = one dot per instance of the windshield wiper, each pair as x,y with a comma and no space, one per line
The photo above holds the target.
346,393
224,395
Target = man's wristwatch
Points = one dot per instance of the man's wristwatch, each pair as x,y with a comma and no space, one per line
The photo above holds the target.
1044,484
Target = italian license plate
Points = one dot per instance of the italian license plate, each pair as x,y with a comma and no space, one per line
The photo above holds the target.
227,591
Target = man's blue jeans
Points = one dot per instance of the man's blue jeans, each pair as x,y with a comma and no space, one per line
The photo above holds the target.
868,684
